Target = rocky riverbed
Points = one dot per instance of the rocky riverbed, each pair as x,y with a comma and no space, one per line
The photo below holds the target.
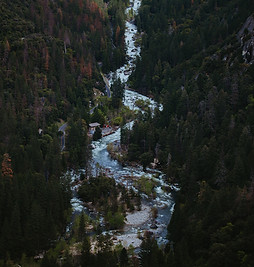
161,199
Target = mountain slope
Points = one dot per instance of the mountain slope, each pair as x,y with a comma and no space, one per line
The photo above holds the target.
48,68
196,57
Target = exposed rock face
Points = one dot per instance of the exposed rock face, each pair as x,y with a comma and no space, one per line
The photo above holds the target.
246,37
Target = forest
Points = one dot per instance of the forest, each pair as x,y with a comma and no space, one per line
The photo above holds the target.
196,59
50,53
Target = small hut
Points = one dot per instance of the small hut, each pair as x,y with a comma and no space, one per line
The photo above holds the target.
92,127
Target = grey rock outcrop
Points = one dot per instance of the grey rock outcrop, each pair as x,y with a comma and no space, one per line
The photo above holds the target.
246,37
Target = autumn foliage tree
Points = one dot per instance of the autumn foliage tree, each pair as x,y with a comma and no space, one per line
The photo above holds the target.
6,166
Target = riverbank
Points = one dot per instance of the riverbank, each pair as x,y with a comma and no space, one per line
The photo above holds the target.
105,131
142,220
134,220
119,152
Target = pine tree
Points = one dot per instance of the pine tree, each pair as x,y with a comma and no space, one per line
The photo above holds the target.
97,134
86,257
124,260
16,237
150,253
117,89
81,230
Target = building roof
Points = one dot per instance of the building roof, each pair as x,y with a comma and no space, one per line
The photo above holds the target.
94,124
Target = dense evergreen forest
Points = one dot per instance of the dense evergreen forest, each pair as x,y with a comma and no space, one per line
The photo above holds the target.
196,59
50,52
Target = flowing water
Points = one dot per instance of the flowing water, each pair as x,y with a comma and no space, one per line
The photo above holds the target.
163,199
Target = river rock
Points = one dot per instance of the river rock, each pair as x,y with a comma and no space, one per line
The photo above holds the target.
154,226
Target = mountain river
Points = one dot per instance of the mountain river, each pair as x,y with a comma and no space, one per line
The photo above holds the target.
138,221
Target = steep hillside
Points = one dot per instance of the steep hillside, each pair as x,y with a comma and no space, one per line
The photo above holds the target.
49,54
197,58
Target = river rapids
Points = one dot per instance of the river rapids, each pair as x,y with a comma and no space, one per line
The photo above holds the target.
139,221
